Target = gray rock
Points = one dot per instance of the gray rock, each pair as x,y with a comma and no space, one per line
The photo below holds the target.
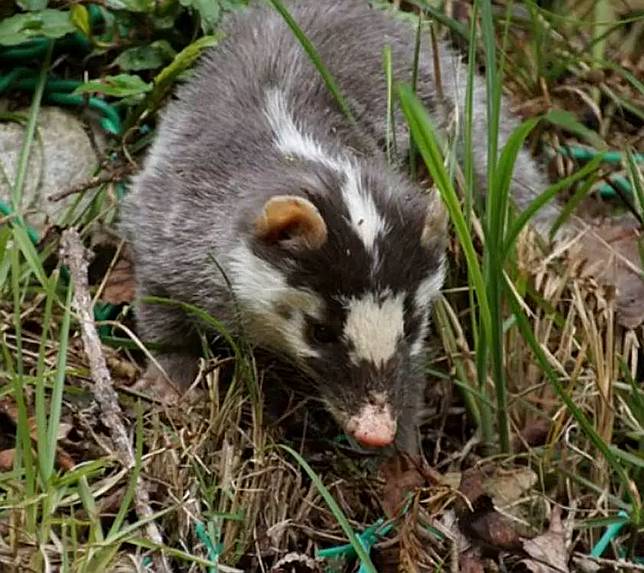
62,156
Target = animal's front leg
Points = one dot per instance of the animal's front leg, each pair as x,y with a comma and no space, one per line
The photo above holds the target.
408,437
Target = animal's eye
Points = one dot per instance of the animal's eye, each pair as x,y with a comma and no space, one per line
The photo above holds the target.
323,334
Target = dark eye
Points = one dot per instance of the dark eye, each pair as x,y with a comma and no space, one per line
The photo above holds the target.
323,334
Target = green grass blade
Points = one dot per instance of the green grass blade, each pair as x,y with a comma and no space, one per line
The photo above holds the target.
567,121
30,131
315,58
493,91
197,312
40,405
390,136
507,160
414,81
23,458
570,206
26,246
56,403
427,143
524,217
335,509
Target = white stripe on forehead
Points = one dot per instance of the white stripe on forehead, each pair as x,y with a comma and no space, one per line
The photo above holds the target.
374,326
367,223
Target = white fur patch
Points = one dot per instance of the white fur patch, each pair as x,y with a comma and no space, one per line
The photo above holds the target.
366,221
374,326
291,140
427,291
261,289
430,287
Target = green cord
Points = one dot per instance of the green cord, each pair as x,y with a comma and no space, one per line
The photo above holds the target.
7,211
24,79
606,190
212,549
111,122
610,534
585,154
367,538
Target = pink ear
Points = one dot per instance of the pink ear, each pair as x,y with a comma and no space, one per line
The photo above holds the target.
291,220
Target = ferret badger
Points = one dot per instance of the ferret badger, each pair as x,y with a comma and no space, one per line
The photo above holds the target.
333,256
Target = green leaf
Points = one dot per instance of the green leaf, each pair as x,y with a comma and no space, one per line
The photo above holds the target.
121,85
209,11
568,121
148,57
131,5
635,459
182,61
22,27
80,18
32,5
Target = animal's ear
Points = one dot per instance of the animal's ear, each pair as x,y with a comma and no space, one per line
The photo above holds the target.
434,234
291,221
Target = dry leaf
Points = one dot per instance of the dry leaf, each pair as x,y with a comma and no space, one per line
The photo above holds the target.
611,255
401,476
470,561
548,551
477,517
533,434
120,286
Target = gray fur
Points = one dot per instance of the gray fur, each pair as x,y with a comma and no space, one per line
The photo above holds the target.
214,164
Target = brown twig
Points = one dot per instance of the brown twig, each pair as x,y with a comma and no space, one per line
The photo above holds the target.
111,177
75,257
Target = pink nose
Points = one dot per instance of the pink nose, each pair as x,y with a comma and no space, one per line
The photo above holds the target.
373,426
374,440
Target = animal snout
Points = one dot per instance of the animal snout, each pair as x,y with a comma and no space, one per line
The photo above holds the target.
374,426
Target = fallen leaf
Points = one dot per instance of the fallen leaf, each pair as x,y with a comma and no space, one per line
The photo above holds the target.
508,486
120,286
402,476
477,516
534,434
470,561
548,551
610,252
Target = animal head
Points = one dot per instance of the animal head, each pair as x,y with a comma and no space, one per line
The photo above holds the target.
338,274
339,262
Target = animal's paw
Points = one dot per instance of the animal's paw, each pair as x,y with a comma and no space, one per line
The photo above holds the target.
155,385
